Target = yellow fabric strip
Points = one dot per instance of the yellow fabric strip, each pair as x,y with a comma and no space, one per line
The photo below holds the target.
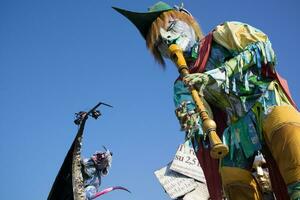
280,96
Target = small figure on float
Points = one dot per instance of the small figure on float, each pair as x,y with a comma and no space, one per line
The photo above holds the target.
233,68
93,169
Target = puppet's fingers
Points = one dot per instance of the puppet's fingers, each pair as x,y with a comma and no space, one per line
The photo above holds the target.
193,79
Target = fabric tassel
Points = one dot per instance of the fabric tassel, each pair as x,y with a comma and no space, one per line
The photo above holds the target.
240,67
246,59
257,56
262,49
268,52
226,89
195,145
265,106
243,99
246,81
234,85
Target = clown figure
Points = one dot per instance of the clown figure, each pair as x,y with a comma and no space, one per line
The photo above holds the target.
233,68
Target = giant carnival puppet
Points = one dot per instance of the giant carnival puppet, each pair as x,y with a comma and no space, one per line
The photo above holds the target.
233,68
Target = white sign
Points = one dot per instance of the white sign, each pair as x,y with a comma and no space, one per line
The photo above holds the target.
175,184
200,193
186,163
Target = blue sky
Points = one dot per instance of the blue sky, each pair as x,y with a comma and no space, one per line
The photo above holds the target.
62,56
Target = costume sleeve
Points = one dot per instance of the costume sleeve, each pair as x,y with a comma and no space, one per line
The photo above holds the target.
182,94
248,47
257,54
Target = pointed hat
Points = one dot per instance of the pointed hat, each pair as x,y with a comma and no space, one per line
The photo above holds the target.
144,20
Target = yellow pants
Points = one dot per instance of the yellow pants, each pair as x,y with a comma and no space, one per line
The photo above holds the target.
239,184
282,135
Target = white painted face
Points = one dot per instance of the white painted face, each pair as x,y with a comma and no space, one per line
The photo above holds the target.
178,32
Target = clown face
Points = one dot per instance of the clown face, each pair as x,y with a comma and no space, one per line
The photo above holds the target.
177,32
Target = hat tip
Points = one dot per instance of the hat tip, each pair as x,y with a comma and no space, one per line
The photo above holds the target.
116,8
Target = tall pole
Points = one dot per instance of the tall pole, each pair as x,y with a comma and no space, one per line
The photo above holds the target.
77,179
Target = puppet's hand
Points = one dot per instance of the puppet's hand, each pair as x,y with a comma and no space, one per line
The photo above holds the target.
198,80
189,120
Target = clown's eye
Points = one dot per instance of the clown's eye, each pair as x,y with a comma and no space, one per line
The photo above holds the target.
171,26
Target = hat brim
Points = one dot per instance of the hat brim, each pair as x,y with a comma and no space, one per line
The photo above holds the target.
142,21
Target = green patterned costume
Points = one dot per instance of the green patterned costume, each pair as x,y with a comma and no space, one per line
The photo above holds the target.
238,88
